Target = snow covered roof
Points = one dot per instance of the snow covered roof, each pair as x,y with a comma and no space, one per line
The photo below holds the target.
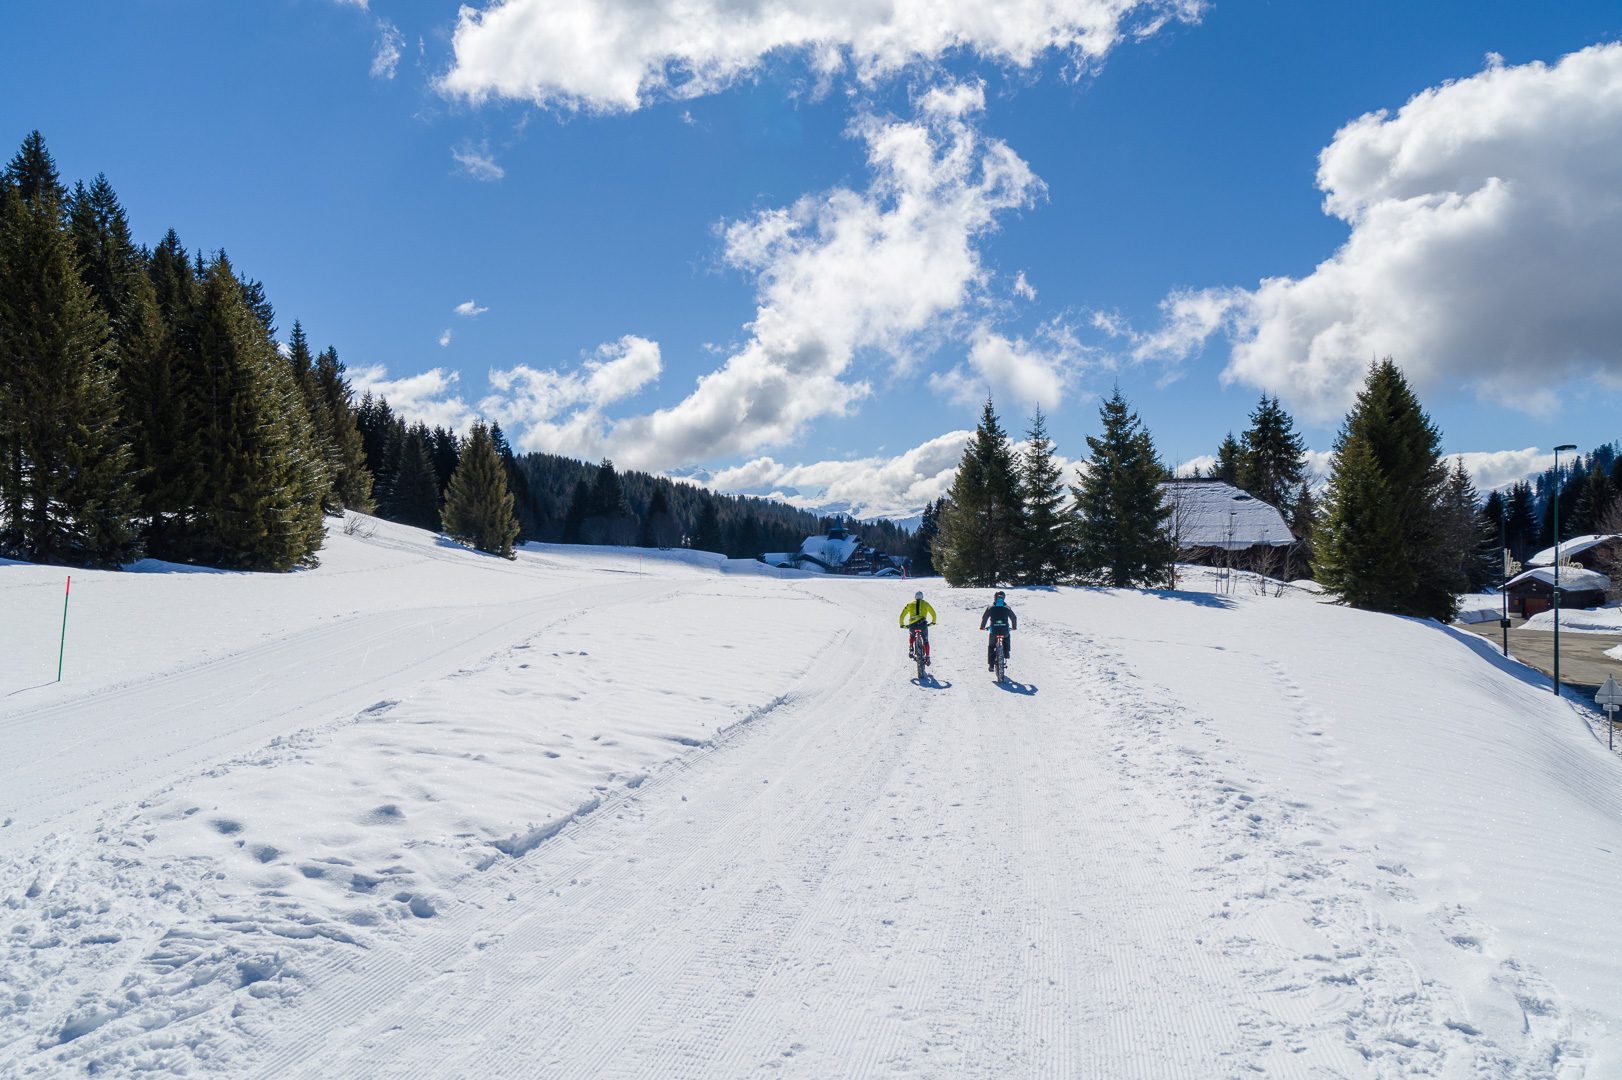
1569,548
834,551
1572,578
1212,514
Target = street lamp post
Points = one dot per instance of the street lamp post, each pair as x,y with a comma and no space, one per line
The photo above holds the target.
1567,446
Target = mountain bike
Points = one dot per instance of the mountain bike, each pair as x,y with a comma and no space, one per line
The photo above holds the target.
917,650
999,653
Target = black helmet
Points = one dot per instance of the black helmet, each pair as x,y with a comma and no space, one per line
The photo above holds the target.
1000,595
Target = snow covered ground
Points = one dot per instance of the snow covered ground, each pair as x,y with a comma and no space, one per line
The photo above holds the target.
615,813
1602,620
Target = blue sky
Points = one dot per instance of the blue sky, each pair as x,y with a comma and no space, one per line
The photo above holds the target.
852,232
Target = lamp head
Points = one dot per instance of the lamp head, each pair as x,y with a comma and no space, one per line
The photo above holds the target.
1568,446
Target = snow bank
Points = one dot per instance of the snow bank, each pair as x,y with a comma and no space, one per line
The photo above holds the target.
1601,620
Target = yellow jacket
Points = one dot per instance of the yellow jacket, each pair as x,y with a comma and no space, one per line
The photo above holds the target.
915,610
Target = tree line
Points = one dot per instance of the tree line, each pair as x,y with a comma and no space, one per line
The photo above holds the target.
147,409
1394,530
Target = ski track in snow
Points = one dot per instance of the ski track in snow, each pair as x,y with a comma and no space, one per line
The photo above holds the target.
1075,875
836,918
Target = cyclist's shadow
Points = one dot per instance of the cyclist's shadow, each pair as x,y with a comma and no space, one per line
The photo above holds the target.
1018,687
929,682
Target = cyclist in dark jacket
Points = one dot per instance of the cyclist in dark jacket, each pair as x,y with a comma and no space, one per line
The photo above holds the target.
1001,618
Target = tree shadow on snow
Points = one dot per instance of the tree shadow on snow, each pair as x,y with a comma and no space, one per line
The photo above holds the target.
1199,599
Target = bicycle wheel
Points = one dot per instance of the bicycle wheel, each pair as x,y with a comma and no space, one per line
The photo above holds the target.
1002,661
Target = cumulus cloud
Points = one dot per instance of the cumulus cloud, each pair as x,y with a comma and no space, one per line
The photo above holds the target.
1024,289
836,275
389,41
477,161
617,55
894,487
1484,217
1013,369
563,411
445,338
430,397
1499,468
470,309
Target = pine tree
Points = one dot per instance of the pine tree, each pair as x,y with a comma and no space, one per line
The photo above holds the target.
608,519
923,541
260,474
478,506
1520,521
1468,532
707,536
159,398
1303,525
1384,544
579,507
414,495
351,480
979,525
1230,460
68,479
659,526
530,520
1272,460
1046,532
1122,538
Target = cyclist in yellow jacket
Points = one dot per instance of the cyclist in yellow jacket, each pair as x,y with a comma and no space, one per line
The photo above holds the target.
918,615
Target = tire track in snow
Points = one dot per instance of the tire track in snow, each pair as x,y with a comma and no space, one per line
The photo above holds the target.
568,879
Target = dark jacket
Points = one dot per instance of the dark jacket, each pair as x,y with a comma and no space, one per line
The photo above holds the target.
1000,615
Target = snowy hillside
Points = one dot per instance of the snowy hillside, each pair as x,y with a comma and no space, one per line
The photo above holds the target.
607,812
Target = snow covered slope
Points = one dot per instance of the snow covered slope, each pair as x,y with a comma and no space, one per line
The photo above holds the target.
620,813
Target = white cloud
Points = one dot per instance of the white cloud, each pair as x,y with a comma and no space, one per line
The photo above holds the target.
477,161
617,55
1485,224
895,487
1013,369
1024,289
470,309
364,5
836,274
563,412
387,58
1499,468
445,338
429,397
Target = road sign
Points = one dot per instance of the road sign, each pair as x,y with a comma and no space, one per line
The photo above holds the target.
1610,693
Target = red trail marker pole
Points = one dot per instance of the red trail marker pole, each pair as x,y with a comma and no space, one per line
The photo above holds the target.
63,648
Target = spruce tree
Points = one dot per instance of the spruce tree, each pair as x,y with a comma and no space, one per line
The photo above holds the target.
260,474
609,519
923,541
1384,544
980,523
1303,526
707,535
659,526
414,495
579,507
1467,532
68,487
1046,531
478,505
352,480
1272,459
1230,460
1520,521
1122,539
